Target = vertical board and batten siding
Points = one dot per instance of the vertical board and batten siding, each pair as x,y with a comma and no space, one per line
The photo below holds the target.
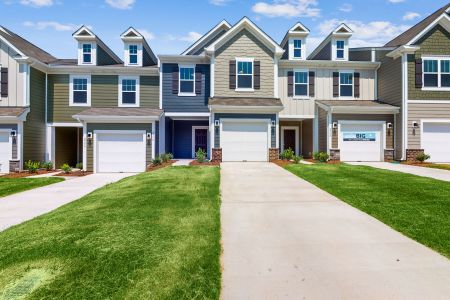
417,111
244,44
104,93
322,129
34,126
173,103
323,90
16,76
92,127
389,134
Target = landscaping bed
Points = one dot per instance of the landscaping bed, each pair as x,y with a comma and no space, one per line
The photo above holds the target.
154,167
23,174
77,173
10,186
428,165
413,205
205,163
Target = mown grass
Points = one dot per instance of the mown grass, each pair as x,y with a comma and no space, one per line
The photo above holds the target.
9,186
415,206
152,236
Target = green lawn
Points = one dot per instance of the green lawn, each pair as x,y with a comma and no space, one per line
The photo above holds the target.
152,236
10,186
415,206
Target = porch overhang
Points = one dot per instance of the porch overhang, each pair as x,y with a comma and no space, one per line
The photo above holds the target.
119,115
13,114
245,105
357,107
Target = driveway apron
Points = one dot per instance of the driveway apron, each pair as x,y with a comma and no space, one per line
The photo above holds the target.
284,238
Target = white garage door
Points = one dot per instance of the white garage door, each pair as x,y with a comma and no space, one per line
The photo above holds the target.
436,141
5,152
244,141
120,152
361,142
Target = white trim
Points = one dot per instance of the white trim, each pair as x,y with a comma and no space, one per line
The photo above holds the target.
275,77
61,124
443,17
153,141
186,94
404,104
297,138
139,53
329,131
194,128
212,74
316,129
439,73
137,79
93,53
245,59
116,119
160,68
245,109
212,131
301,97
291,48
429,101
299,117
19,140
181,114
85,146
205,36
334,49
88,89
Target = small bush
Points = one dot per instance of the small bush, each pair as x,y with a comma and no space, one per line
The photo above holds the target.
321,156
287,154
66,168
79,166
156,161
48,165
297,159
200,155
166,157
32,166
421,157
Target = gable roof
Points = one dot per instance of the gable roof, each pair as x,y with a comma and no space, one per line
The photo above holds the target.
211,34
297,30
255,30
341,30
409,34
132,34
25,47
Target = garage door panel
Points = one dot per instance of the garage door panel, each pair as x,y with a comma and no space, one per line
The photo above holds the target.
436,141
5,152
361,142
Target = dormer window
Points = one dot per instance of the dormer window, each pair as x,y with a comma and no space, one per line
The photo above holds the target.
87,53
297,48
133,53
340,49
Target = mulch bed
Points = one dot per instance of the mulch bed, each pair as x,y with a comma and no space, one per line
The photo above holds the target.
26,174
74,174
151,168
206,163
282,163
426,165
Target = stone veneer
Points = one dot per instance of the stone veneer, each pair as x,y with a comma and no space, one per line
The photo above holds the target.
335,154
389,154
412,153
274,154
14,165
216,155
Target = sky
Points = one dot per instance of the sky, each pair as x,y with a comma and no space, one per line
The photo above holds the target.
170,26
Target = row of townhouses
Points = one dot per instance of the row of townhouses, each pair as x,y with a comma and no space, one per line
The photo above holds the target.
235,92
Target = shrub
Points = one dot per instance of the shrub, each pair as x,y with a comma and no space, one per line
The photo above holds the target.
287,154
200,155
321,156
421,157
166,157
156,161
79,166
48,165
297,159
32,166
66,168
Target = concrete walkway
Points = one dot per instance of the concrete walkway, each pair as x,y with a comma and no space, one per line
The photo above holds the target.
284,238
182,162
419,171
17,208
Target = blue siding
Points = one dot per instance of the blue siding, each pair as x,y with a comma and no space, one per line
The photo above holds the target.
156,138
173,103
181,133
168,137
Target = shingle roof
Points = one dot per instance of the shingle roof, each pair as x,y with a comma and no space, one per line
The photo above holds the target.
247,101
121,112
12,111
409,34
353,103
26,47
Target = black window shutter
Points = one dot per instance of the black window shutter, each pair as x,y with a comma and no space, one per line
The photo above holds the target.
232,74
175,78
419,73
257,75
4,82
198,80
335,84
290,83
311,83
356,88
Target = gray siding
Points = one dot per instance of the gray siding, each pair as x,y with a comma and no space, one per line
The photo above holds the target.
103,58
324,54
174,103
363,55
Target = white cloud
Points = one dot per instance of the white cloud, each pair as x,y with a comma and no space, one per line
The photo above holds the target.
120,4
51,24
147,34
411,16
191,37
346,7
37,3
287,8
396,1
219,2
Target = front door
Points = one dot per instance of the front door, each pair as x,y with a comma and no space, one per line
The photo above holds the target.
201,140
289,139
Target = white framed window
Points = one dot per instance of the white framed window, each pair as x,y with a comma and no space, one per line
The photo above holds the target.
436,73
297,48
301,84
87,53
186,82
346,84
340,49
133,54
129,91
244,74
80,90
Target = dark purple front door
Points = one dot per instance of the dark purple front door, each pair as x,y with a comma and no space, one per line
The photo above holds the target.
201,139
289,139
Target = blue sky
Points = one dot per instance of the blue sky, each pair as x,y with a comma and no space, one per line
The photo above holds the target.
171,26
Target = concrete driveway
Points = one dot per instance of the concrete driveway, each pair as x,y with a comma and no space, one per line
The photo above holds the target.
285,238
419,171
18,208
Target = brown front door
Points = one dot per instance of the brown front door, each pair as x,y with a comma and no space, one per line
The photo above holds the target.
289,139
201,139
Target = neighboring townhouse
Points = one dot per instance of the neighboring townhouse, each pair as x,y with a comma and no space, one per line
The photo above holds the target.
22,101
415,76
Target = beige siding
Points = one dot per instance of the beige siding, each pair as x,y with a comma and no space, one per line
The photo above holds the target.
16,77
417,112
244,44
292,106
323,130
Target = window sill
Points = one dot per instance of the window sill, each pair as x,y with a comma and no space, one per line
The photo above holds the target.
301,98
80,104
244,90
436,89
186,94
128,105
347,98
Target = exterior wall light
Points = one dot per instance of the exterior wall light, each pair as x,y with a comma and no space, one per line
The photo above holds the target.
217,123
